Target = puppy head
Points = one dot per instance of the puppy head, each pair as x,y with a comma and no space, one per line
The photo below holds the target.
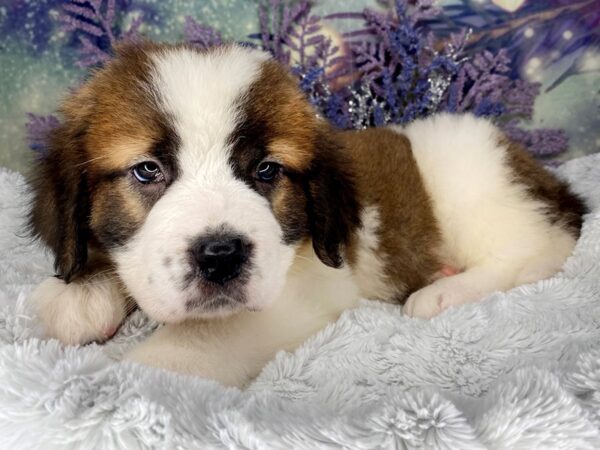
198,173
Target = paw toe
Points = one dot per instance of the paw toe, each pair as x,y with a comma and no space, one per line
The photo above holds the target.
425,303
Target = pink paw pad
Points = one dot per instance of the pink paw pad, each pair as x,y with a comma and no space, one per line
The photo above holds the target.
110,332
448,271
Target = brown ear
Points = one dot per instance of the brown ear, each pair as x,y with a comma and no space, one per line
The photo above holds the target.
59,211
332,203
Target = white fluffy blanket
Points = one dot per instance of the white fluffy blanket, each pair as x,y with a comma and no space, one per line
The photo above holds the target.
518,370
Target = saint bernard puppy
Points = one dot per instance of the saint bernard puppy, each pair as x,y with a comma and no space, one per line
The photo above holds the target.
201,185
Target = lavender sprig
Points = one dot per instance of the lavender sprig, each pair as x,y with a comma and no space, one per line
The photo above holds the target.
38,129
483,86
403,69
202,36
94,24
392,69
541,142
277,21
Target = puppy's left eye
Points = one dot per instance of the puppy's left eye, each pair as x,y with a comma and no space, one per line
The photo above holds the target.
267,171
147,172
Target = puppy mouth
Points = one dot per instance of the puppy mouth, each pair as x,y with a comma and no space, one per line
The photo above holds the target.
206,297
215,303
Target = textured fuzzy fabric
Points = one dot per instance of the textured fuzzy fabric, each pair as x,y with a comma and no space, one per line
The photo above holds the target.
518,370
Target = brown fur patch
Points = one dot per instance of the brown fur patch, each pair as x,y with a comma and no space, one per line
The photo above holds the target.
290,154
118,152
564,207
107,123
314,197
387,177
289,207
277,117
126,120
60,203
116,212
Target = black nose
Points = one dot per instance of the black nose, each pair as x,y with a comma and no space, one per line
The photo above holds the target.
220,258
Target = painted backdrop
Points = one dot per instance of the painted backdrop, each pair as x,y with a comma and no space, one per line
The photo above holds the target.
554,43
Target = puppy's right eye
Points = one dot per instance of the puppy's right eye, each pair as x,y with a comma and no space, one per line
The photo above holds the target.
267,171
147,172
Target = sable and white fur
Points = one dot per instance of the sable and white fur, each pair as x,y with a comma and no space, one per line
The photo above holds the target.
397,205
491,226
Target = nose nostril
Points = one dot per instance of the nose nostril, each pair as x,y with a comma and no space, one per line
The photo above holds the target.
222,248
219,258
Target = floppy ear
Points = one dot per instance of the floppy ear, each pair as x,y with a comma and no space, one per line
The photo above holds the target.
332,203
59,213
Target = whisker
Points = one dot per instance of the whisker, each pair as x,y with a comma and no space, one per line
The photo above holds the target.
91,160
102,272
109,274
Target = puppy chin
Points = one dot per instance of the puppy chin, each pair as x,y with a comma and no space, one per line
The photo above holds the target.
217,307
202,308
224,306
179,312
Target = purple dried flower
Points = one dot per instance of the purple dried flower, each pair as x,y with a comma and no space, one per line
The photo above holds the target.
94,24
400,62
336,111
542,142
295,38
397,70
277,22
520,97
202,36
483,86
38,129
482,78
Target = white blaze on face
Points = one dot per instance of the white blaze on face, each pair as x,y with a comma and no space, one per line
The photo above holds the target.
199,93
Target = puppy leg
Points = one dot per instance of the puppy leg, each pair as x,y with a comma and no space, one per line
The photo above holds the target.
209,349
540,261
465,287
545,264
82,311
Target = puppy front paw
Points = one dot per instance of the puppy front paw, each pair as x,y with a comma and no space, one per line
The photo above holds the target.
81,311
424,303
437,297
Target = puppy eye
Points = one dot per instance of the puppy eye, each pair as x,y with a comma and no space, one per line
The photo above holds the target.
267,171
147,172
